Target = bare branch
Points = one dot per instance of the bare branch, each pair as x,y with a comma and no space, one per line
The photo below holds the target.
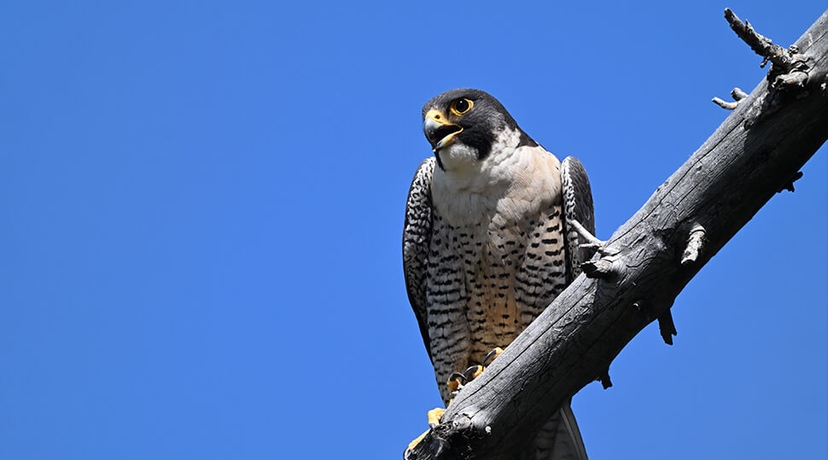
724,104
790,185
591,240
667,327
757,151
738,94
759,44
789,67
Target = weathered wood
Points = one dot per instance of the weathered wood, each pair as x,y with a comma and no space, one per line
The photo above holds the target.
754,154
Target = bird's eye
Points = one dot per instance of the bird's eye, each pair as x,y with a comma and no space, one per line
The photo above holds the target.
461,106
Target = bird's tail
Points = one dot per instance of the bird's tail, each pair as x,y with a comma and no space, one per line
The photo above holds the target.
559,439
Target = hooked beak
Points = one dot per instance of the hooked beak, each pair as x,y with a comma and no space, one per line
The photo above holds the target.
439,131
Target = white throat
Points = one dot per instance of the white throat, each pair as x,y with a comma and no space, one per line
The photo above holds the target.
468,189
463,169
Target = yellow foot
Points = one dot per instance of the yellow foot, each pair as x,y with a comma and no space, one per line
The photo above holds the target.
455,383
458,380
434,416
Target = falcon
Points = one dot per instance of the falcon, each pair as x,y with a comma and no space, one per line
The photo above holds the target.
489,242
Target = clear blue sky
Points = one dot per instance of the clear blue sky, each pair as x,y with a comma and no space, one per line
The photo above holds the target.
201,207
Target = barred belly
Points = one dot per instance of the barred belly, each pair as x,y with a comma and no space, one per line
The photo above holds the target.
487,281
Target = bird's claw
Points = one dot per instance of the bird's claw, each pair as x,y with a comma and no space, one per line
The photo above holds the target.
434,416
491,356
456,382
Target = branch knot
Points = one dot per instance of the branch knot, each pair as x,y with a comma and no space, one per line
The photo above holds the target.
694,245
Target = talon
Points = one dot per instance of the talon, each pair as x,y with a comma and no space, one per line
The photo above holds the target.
491,356
456,381
472,372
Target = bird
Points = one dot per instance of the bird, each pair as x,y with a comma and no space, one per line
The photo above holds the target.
489,242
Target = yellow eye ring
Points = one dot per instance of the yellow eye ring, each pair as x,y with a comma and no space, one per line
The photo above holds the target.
461,106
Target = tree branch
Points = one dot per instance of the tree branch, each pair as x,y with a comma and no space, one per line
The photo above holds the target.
755,153
759,44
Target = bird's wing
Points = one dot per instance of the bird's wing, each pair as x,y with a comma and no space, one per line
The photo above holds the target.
577,205
416,239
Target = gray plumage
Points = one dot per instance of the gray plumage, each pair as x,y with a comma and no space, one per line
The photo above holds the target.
486,245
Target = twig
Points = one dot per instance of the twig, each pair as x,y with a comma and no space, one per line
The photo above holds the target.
738,94
591,241
667,327
790,185
605,379
789,67
724,104
760,45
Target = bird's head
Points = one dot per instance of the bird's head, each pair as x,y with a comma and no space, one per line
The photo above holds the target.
463,125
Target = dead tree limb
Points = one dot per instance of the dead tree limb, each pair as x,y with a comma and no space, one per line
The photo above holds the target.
754,154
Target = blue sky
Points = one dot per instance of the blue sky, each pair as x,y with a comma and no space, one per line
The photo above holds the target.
201,207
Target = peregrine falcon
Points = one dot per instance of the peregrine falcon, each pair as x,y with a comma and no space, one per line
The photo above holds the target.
488,242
